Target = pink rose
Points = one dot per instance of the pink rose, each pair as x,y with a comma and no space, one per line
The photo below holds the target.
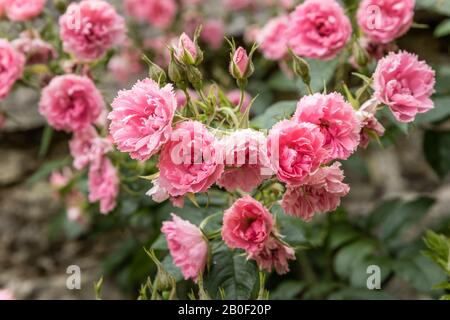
156,12
247,225
274,254
245,156
239,64
87,147
385,20
272,38
187,246
71,103
90,28
6,294
213,33
337,121
235,96
12,64
141,119
35,49
296,150
319,29
186,50
189,162
103,185
321,193
404,84
370,125
22,10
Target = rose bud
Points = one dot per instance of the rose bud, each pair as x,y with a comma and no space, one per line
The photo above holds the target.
241,66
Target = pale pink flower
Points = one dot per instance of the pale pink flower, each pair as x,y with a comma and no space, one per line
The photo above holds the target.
75,203
213,33
247,225
274,255
22,10
383,21
188,247
157,193
34,48
337,121
60,179
156,12
272,38
103,185
370,124
87,147
319,29
141,119
239,64
126,65
235,96
189,161
237,5
295,150
6,294
404,84
71,102
245,157
90,28
12,64
321,193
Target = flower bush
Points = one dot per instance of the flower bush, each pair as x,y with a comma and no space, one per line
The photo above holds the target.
191,151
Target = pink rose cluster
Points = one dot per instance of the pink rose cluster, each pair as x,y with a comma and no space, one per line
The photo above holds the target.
159,13
90,28
316,29
73,103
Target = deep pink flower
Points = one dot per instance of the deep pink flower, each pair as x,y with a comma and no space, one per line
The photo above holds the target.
370,124
247,225
156,12
87,147
385,20
337,121
22,10
189,161
141,119
34,48
272,38
235,96
239,64
321,193
90,28
104,185
295,150
71,103
187,246
274,255
213,33
245,157
12,64
319,29
404,84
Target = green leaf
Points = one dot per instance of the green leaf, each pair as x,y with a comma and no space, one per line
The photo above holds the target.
437,151
321,72
160,243
388,114
381,212
443,29
438,249
287,290
273,114
45,170
404,216
441,111
359,294
231,271
45,141
439,6
340,235
168,265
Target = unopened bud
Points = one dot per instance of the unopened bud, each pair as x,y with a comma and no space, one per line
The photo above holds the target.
155,72
301,68
187,51
241,65
195,77
361,56
177,73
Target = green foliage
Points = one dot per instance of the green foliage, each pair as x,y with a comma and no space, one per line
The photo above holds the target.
437,151
276,112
